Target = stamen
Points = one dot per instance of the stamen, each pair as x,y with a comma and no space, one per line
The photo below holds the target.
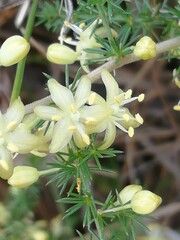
91,120
55,118
120,127
72,108
12,125
141,97
92,98
131,132
85,138
72,128
68,40
126,117
4,165
12,147
82,25
117,100
139,118
128,94
75,28
37,153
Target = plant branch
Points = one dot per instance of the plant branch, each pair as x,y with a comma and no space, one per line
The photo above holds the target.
21,65
112,65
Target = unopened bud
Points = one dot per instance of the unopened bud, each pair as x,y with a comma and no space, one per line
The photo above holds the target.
145,48
23,176
145,202
127,193
13,50
61,54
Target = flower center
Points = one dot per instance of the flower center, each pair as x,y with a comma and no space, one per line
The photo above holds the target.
75,115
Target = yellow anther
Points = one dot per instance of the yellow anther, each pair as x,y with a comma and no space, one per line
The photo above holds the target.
176,107
85,138
11,125
39,154
126,117
55,118
92,98
82,25
72,108
4,165
90,120
72,128
1,134
117,100
12,147
141,97
128,94
139,118
131,132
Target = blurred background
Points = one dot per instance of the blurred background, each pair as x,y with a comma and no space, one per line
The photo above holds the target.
151,158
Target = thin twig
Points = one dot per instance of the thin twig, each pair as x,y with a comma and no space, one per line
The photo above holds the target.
112,65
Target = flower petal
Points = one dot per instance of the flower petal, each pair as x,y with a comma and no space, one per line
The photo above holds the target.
112,88
6,163
82,92
78,140
23,142
61,136
60,95
14,114
48,113
110,136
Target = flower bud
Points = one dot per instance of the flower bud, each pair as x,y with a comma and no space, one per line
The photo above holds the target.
61,54
13,50
127,193
145,202
145,48
23,176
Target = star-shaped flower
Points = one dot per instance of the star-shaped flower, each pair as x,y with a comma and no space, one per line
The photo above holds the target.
66,114
111,112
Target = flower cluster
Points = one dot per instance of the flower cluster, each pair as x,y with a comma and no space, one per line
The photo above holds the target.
141,201
135,198
85,112
73,115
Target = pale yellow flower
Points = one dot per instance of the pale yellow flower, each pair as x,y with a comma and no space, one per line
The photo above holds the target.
13,50
145,48
66,114
15,137
111,113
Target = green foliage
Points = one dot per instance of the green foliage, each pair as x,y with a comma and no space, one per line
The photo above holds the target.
49,16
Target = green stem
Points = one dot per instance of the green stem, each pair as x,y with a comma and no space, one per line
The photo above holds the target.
21,65
49,171
116,209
